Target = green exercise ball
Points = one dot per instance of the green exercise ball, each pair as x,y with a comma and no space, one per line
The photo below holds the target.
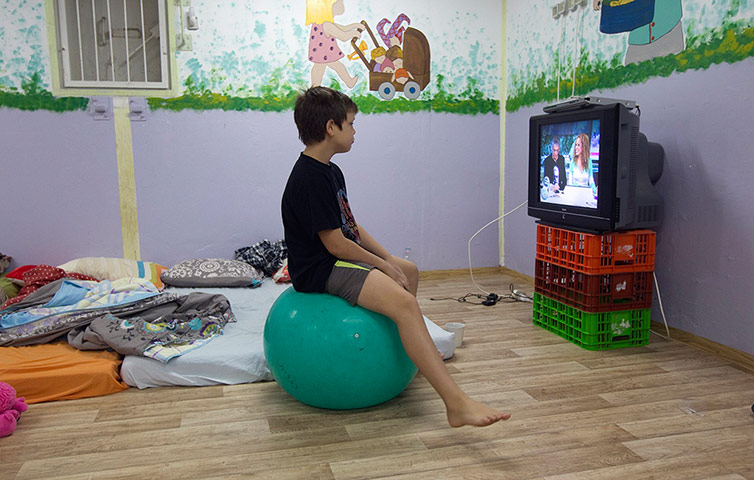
328,354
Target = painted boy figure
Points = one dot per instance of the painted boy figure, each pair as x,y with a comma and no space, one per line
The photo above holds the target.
329,251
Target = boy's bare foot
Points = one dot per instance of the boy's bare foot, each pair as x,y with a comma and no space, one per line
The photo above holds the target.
474,413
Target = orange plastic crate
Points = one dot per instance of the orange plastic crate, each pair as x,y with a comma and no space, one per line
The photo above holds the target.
594,293
632,251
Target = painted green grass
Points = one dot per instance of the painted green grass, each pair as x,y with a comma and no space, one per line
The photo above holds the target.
279,98
730,43
33,96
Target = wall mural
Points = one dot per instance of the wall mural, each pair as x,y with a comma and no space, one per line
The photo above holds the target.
258,54
654,26
555,52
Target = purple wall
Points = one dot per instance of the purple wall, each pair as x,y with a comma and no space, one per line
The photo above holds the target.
59,187
210,182
705,253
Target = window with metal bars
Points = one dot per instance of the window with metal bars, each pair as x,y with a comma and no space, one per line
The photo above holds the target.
113,44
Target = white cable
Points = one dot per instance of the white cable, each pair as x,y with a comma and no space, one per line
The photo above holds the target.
662,310
577,54
477,233
560,49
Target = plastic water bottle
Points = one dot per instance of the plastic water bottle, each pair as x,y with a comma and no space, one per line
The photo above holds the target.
407,253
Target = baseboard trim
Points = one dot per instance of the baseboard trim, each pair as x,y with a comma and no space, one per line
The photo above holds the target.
737,357
461,272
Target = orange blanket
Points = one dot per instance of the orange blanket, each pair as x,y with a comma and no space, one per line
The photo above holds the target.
57,371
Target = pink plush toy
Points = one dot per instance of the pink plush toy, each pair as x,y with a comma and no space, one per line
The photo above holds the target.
10,409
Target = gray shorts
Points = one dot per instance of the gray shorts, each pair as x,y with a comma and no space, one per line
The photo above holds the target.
347,279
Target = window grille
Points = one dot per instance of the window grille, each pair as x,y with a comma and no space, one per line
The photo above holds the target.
113,44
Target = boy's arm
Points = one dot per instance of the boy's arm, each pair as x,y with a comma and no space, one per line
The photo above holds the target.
344,249
369,243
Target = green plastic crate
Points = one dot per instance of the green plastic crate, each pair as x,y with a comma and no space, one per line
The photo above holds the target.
592,331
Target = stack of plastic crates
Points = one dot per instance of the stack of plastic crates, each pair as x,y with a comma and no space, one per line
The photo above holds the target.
594,290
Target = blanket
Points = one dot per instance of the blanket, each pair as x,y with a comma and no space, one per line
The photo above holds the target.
129,317
71,296
197,319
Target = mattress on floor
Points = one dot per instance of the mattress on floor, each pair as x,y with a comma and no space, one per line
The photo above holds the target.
236,356
57,371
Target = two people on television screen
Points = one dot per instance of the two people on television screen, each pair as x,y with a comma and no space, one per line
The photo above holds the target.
577,172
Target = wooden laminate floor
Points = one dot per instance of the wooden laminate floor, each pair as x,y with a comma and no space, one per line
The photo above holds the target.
666,411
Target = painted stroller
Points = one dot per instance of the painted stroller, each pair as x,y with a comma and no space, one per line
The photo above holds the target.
415,60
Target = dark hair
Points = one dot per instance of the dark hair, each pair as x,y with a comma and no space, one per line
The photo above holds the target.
315,107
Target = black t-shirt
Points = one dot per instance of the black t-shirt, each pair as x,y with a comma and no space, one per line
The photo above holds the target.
314,199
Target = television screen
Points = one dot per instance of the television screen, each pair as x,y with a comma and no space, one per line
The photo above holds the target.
591,169
569,154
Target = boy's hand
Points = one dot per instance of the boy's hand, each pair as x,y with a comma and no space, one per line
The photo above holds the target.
394,271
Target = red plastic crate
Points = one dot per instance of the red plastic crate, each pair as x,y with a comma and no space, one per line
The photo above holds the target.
632,251
594,293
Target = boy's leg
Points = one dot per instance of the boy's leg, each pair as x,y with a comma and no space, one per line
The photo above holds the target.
382,294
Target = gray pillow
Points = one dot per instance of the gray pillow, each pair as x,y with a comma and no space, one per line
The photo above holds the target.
212,272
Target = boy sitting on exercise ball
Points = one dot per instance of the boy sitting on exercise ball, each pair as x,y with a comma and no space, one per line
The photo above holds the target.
328,251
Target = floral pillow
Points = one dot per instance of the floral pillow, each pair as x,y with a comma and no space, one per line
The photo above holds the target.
212,272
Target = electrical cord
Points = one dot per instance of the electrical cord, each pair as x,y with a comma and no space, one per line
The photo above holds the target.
662,310
471,271
489,299
560,51
492,298
577,53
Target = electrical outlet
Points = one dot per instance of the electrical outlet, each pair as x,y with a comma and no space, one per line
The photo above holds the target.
101,108
137,107
572,5
559,9
186,3
184,43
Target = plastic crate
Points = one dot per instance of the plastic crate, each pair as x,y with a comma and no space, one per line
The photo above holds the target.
632,251
594,293
592,331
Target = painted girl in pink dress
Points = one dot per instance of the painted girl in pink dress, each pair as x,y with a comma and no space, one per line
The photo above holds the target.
323,46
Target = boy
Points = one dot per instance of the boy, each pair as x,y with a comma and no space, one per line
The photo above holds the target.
328,251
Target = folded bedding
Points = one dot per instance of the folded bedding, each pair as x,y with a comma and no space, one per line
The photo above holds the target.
35,277
67,296
237,356
192,321
127,315
57,371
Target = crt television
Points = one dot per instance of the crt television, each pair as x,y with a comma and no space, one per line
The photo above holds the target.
591,169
